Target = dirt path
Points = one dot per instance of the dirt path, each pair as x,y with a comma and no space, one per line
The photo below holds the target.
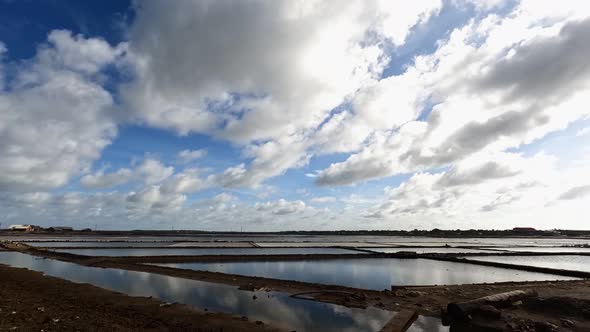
33,302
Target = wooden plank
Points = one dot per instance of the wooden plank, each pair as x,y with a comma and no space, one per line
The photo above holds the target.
401,321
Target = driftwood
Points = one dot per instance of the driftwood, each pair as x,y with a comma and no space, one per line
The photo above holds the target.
461,310
401,321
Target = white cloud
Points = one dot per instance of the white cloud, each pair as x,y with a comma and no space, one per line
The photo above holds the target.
100,180
149,171
312,55
151,208
281,207
532,190
285,81
88,56
187,156
379,158
323,199
152,198
219,202
152,171
583,132
54,118
575,192
187,181
262,92
270,159
496,84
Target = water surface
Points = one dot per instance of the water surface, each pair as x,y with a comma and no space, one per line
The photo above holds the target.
135,244
273,308
544,249
426,250
207,251
565,262
314,239
372,273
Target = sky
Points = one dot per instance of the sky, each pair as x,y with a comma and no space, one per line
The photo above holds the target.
295,115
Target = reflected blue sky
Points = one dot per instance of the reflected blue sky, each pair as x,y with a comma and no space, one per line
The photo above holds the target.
377,274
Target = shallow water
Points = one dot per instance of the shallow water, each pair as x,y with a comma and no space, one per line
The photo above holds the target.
319,244
208,251
371,273
135,244
544,249
565,262
425,250
317,239
274,308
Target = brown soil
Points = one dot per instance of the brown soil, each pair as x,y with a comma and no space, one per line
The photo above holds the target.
33,302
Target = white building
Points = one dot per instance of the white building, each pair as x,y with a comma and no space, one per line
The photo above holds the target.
25,228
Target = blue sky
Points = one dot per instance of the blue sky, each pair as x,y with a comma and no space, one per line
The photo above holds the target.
205,115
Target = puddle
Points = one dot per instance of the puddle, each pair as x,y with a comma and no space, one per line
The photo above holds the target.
274,308
207,251
372,273
565,262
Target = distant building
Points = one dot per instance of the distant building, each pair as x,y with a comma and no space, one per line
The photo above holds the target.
24,228
523,229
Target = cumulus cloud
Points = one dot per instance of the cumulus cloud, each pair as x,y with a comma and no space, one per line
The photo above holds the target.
266,93
54,117
152,171
149,171
270,159
495,197
87,55
495,84
312,55
546,69
379,158
100,180
187,156
187,181
575,192
487,171
287,81
219,202
323,199
281,207
152,198
151,208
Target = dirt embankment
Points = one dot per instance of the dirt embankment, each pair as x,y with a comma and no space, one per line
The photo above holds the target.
33,302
